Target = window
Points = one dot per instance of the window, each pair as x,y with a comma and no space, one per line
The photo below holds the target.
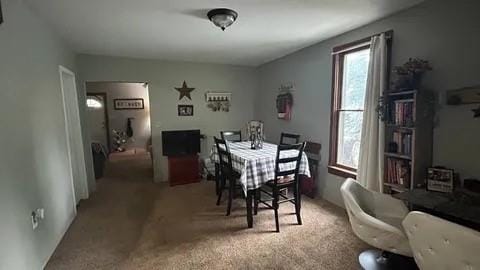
94,102
350,68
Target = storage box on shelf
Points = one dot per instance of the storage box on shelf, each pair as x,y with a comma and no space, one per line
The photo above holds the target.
408,139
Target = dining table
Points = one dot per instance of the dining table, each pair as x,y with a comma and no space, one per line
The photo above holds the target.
256,167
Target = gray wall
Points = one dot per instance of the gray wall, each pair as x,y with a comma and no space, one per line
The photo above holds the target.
444,32
33,163
118,118
162,77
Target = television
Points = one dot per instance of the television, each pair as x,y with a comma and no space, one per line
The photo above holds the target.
181,142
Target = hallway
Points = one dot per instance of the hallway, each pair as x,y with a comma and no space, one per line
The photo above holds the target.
110,223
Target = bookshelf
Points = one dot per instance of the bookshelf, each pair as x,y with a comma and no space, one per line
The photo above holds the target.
408,139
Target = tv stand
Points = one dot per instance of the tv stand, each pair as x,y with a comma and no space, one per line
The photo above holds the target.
183,169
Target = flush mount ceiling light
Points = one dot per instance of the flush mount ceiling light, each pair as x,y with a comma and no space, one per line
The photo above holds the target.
222,17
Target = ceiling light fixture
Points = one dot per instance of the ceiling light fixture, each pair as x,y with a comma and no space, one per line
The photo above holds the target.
222,17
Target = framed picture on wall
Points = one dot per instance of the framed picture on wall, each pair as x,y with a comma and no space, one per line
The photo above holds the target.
185,110
128,104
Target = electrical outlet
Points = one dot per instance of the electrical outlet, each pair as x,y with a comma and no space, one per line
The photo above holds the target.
34,220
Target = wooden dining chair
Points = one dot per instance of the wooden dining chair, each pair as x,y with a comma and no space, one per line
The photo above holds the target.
283,179
232,136
289,138
227,173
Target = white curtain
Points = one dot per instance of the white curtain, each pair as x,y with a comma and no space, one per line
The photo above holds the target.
370,165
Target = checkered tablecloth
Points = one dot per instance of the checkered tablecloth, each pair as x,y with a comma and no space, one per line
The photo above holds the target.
258,166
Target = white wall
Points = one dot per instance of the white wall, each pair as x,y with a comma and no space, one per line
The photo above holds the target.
162,77
444,32
118,118
33,162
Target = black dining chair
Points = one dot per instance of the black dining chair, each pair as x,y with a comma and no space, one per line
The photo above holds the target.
289,138
283,179
227,173
232,136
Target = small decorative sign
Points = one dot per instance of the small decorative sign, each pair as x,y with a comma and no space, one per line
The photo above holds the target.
185,110
440,179
128,104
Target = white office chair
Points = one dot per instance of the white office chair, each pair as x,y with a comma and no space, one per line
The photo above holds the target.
376,218
438,244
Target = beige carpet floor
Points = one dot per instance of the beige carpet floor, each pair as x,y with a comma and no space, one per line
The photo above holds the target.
132,223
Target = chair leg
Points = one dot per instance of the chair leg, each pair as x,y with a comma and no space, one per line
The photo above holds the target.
298,204
217,179
231,190
220,190
257,197
275,208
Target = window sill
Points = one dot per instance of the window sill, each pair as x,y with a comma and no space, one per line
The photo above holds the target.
342,172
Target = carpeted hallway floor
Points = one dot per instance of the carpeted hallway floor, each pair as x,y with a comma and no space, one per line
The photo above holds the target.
131,223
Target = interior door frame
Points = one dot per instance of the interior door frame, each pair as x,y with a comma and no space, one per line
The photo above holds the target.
79,144
107,123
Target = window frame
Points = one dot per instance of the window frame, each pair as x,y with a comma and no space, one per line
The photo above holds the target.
338,57
337,67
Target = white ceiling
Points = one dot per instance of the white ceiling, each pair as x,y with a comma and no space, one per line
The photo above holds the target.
179,29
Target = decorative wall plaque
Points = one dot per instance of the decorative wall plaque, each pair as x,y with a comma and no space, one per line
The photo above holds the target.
128,104
218,101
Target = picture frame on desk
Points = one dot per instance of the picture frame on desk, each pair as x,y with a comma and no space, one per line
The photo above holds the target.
440,180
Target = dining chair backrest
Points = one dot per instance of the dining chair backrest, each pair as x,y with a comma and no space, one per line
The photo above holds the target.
233,135
289,138
287,154
224,156
312,150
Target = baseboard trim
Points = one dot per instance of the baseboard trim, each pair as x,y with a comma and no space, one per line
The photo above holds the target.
59,239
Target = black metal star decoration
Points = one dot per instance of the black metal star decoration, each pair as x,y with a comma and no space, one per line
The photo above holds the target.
184,91
476,112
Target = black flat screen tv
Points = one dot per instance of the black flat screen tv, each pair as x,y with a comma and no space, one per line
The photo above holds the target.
180,142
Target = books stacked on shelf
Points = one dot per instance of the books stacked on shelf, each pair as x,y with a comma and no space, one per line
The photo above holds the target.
404,142
398,172
403,112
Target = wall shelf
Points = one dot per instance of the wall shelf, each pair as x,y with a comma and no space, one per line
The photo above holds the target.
396,155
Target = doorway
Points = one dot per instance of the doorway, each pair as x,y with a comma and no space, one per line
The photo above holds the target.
73,130
97,113
119,121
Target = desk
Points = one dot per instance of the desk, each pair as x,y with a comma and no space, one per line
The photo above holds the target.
461,206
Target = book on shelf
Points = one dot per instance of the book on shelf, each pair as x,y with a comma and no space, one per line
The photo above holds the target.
403,112
398,172
403,141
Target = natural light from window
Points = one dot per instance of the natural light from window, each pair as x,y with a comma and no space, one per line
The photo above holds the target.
93,103
354,82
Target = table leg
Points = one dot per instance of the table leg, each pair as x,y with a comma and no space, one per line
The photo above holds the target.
217,178
249,200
